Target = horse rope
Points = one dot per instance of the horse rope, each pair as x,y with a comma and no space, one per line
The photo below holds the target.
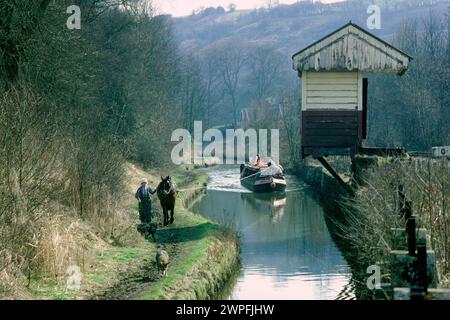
250,176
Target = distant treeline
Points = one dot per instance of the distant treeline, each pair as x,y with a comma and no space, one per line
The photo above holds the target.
273,9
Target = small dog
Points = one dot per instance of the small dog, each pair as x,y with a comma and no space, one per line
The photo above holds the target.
147,229
162,261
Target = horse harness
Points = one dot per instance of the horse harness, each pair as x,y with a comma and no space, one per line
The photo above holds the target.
171,190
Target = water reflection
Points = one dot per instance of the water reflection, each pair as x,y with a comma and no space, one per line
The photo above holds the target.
287,251
270,203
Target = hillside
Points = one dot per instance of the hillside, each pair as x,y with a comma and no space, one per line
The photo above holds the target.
244,61
292,27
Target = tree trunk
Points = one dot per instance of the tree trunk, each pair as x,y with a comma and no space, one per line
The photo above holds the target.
233,100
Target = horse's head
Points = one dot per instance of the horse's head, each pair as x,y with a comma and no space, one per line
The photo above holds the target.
166,183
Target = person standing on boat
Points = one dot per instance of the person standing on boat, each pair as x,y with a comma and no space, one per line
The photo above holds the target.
145,202
257,160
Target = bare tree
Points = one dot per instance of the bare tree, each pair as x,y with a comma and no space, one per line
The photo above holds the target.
265,64
231,62
193,93
290,120
211,75
270,4
71,115
420,97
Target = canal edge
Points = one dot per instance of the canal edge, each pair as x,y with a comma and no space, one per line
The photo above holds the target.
216,257
335,200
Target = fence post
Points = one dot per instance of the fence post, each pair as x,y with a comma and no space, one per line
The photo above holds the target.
415,267
411,235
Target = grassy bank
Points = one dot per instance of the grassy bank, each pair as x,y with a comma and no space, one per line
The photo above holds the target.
203,256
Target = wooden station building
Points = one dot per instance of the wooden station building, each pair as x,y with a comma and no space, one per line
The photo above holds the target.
334,89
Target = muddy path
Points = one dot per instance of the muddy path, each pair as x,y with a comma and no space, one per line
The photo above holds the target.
140,277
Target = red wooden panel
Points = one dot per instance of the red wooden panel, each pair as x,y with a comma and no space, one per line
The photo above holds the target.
326,125
331,129
332,132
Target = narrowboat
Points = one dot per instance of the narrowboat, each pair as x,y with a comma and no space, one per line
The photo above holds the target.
263,178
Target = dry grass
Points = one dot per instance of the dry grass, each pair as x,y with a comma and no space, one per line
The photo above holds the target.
40,245
63,242
375,210
42,230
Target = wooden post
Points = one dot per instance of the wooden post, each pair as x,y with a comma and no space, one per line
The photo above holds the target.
413,268
411,235
338,178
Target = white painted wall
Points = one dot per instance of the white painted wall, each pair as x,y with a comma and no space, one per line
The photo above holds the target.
332,91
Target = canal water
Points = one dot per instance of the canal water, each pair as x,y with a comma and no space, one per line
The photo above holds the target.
286,249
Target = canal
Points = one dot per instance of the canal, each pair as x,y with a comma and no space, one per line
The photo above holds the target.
287,251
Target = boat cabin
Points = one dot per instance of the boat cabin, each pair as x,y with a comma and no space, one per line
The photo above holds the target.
334,88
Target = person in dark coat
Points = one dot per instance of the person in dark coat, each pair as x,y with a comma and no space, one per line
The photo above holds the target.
145,202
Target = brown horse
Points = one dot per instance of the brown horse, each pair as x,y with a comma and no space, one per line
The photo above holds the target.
167,195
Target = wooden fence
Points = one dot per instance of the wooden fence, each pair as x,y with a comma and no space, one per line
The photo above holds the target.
412,260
